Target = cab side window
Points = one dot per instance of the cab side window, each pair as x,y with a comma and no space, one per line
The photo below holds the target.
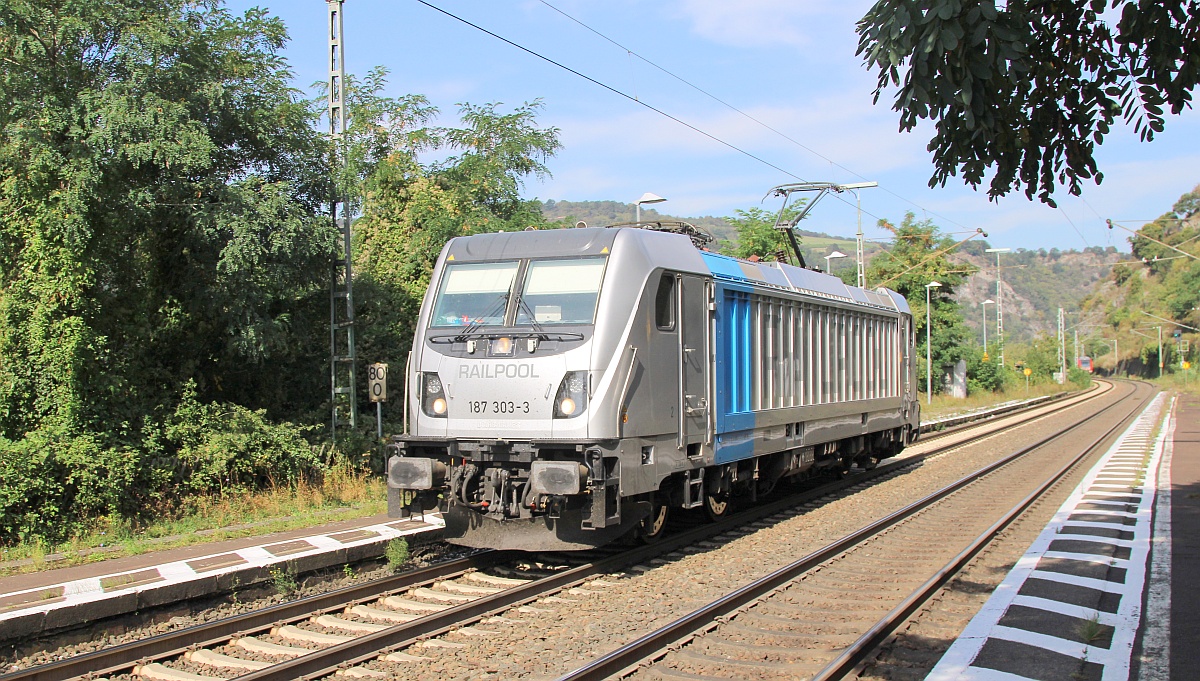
664,303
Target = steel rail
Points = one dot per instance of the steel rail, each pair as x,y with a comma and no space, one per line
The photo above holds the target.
858,651
655,642
328,660
324,661
178,642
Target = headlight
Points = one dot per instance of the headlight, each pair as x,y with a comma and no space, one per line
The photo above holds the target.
433,401
572,396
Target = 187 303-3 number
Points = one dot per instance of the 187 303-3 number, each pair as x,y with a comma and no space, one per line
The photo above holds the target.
497,407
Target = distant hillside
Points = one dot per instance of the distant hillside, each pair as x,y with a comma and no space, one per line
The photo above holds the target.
1035,282
814,245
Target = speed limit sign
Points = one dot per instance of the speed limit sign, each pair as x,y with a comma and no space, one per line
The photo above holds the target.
377,382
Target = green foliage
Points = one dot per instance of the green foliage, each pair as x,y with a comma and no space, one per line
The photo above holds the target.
757,235
1164,289
284,579
919,255
986,376
1079,377
396,553
1025,93
158,187
55,482
226,447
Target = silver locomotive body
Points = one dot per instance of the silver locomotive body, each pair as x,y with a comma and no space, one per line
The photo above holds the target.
566,386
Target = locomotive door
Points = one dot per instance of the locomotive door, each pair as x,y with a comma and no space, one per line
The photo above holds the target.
694,359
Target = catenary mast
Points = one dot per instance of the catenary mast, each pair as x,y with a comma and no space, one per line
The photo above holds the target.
343,357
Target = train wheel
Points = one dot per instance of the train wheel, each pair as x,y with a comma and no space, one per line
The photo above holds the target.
654,525
717,506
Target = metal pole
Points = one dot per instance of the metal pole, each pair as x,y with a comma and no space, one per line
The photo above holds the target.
343,357
1000,314
379,421
1160,357
862,276
928,351
983,309
1062,347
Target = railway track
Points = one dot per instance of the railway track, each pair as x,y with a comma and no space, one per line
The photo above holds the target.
394,619
819,617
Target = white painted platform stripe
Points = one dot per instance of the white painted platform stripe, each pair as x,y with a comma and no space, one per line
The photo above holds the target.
1067,609
1124,543
1046,642
90,590
1087,558
1132,444
1074,580
982,674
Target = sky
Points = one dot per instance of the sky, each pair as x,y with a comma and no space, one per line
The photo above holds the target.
790,64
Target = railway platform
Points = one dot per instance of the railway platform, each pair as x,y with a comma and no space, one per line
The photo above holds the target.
1105,593
53,599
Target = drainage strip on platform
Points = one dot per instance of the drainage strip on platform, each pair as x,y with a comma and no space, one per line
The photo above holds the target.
1071,606
69,594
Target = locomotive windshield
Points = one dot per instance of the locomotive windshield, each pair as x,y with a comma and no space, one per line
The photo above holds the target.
560,291
474,293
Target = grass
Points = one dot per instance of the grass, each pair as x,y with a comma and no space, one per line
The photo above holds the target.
944,405
396,553
284,580
343,493
1181,382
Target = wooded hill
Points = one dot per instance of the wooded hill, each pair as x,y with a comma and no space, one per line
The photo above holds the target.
1035,282
1159,286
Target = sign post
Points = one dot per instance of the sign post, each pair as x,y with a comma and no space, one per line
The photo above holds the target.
377,383
1027,372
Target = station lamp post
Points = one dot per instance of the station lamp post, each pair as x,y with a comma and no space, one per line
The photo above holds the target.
646,198
833,256
929,342
983,309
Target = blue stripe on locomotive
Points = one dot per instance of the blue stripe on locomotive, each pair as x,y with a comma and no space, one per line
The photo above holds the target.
736,422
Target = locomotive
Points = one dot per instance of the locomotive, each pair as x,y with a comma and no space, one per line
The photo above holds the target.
567,387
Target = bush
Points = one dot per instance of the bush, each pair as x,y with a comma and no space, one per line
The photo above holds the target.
396,553
1079,377
224,447
56,485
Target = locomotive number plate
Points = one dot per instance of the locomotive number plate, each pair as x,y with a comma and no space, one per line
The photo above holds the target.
497,407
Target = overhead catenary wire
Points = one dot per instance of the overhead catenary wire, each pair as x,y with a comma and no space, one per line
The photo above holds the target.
739,111
613,90
634,98
661,112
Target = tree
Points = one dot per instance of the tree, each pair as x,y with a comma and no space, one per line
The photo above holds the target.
159,184
1028,91
920,255
412,209
757,235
